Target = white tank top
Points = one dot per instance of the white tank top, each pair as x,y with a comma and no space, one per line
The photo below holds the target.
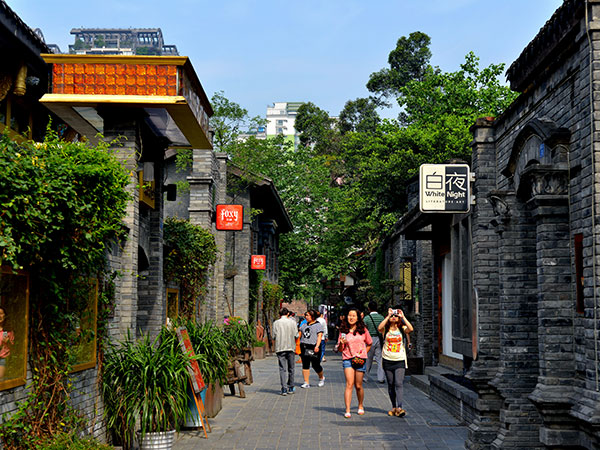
393,346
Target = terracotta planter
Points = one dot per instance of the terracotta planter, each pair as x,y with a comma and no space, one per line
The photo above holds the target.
214,400
259,352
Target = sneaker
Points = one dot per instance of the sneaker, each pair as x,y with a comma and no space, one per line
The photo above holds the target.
322,382
284,392
305,386
291,390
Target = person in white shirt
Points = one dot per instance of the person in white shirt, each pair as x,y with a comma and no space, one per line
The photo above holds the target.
323,322
285,332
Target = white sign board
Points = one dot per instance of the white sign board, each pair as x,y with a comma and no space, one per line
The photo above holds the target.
444,188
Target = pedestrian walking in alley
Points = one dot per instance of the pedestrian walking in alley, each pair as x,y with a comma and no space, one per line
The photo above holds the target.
395,327
311,336
354,342
323,322
285,333
372,321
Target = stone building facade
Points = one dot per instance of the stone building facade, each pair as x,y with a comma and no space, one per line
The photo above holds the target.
523,264
211,178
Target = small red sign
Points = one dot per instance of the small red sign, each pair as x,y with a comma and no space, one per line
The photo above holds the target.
258,262
193,368
230,217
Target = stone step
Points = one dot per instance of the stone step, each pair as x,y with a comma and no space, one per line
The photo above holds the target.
421,382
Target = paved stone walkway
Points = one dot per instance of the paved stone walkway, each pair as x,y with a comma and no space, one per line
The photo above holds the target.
313,418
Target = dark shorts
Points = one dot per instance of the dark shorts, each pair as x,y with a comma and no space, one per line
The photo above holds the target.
347,364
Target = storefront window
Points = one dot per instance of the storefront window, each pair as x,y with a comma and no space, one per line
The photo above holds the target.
462,324
14,305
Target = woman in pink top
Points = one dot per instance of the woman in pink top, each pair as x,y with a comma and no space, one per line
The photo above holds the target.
354,342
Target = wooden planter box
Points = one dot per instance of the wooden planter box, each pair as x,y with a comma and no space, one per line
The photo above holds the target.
214,400
259,352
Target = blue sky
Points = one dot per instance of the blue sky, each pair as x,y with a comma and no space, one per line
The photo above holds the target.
323,51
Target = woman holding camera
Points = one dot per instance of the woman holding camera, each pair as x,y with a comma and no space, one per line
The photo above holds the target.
311,337
393,354
354,342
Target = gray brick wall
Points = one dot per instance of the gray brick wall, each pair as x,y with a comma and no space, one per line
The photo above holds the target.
546,375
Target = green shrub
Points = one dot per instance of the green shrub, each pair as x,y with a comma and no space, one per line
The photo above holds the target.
65,441
145,381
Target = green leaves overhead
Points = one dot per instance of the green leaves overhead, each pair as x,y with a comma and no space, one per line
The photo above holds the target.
192,249
408,62
61,202
346,184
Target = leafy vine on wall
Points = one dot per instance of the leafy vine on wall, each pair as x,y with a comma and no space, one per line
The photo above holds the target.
192,251
61,203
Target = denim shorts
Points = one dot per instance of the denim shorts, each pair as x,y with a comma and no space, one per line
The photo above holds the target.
347,364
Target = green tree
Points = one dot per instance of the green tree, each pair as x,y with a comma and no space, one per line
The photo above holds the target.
408,62
438,109
359,115
229,121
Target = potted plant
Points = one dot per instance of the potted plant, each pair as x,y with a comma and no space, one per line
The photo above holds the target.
211,346
145,382
240,336
258,349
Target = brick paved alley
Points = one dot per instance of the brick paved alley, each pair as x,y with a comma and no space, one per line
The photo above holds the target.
313,418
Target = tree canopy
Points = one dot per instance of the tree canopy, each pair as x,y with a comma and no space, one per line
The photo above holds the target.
345,185
408,62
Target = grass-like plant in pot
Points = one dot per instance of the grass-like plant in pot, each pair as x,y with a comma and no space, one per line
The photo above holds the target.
145,382
239,335
212,349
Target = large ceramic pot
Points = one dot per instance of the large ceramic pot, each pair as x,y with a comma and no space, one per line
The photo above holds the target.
258,352
159,440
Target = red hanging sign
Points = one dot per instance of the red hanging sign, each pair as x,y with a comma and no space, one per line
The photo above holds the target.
258,262
230,217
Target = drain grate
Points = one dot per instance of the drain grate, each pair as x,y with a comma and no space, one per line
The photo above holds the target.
446,424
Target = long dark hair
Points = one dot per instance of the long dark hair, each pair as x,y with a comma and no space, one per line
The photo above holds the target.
360,325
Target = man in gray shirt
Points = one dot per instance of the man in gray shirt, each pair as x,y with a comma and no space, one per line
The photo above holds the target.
372,321
285,332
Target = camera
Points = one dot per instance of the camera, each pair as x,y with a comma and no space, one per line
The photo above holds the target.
395,311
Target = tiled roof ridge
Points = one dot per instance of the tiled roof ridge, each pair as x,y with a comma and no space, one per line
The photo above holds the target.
26,28
564,19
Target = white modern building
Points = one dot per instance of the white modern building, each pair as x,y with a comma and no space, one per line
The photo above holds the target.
281,119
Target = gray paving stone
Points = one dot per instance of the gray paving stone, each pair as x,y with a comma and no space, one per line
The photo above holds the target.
313,418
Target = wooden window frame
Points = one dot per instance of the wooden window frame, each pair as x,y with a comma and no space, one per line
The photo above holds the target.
19,381
91,362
